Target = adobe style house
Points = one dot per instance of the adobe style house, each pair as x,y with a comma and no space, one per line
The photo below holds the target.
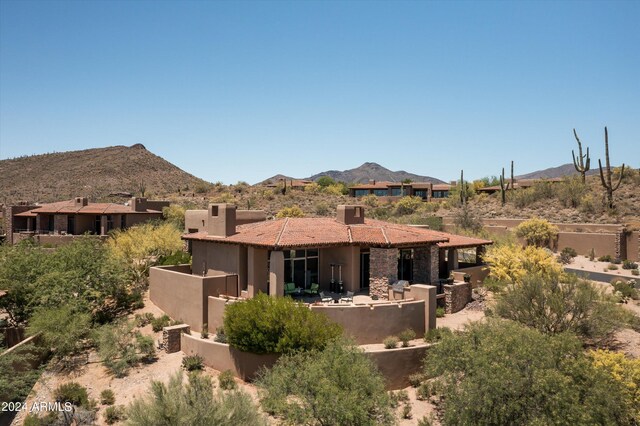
395,190
519,183
52,222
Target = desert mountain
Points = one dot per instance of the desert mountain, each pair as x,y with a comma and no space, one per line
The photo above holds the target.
94,173
556,172
373,171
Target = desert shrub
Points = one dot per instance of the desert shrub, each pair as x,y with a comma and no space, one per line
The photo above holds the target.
406,411
612,267
561,304
425,390
537,232
440,312
107,397
635,272
625,289
390,342
407,205
325,181
293,211
176,258
623,370
72,392
312,188
571,191
370,200
322,208
120,347
192,362
605,258
195,403
265,324
628,264
406,335
220,336
566,255
114,414
202,188
16,375
142,320
510,263
204,334
226,380
157,324
437,334
550,379
616,261
326,387
174,214
338,189
416,379
63,329
569,251
465,219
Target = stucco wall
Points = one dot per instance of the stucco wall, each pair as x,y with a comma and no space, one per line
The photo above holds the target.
633,246
372,323
215,258
396,365
215,315
184,296
478,274
223,357
349,258
584,242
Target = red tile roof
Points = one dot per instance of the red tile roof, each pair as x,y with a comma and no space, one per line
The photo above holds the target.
69,207
461,241
317,232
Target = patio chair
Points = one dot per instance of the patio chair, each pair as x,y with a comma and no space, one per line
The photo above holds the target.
348,298
326,297
289,288
313,289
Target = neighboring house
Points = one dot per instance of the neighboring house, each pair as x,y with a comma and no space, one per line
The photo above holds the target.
289,183
348,253
395,190
519,183
52,222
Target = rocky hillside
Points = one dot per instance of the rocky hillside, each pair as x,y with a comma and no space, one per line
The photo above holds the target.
556,172
95,173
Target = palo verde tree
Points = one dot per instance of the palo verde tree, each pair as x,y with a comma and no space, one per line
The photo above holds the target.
582,163
608,186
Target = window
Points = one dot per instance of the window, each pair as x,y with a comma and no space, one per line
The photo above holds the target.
301,267
440,194
381,192
422,193
360,192
109,222
214,210
405,265
123,221
395,192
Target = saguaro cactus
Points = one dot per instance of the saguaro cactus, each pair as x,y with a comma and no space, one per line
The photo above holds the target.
609,188
463,189
503,192
513,181
582,163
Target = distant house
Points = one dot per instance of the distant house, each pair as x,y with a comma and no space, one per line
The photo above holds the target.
519,183
53,222
290,183
395,190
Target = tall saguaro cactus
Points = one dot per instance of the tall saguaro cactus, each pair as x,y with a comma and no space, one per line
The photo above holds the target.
608,186
503,192
513,181
463,189
582,163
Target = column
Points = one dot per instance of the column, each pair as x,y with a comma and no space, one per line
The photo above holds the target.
276,274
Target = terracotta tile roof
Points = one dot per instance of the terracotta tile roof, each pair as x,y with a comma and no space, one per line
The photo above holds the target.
69,207
318,232
377,185
441,187
461,241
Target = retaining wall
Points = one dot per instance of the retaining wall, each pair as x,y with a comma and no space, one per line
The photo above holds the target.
396,365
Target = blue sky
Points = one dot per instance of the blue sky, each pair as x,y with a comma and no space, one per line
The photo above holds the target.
244,90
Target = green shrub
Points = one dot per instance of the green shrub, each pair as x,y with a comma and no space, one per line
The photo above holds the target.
408,205
390,342
72,392
322,209
157,324
635,272
114,414
293,211
612,267
178,257
437,334
617,261
406,335
16,375
550,379
226,380
193,403
326,388
192,362
265,324
204,334
107,397
62,328
569,251
416,379
440,312
425,391
605,258
120,347
628,264
625,289
406,411
142,320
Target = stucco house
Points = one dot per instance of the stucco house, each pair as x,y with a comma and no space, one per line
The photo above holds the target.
395,190
55,222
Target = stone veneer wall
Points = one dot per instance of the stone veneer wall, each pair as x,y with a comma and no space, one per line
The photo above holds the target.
171,337
434,258
383,270
421,265
456,297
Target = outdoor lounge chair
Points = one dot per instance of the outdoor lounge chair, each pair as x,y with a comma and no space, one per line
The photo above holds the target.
348,298
325,297
313,289
289,288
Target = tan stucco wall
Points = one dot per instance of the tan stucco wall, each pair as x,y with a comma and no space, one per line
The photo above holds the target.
257,271
215,314
396,365
216,258
584,242
372,323
184,296
349,258
633,246
84,223
478,274
222,357
427,293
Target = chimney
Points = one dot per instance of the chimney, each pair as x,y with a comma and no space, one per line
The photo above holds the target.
350,215
221,220
138,204
372,181
81,202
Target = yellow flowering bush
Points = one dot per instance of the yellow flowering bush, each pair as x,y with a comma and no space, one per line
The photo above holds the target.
510,263
537,232
624,370
293,211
